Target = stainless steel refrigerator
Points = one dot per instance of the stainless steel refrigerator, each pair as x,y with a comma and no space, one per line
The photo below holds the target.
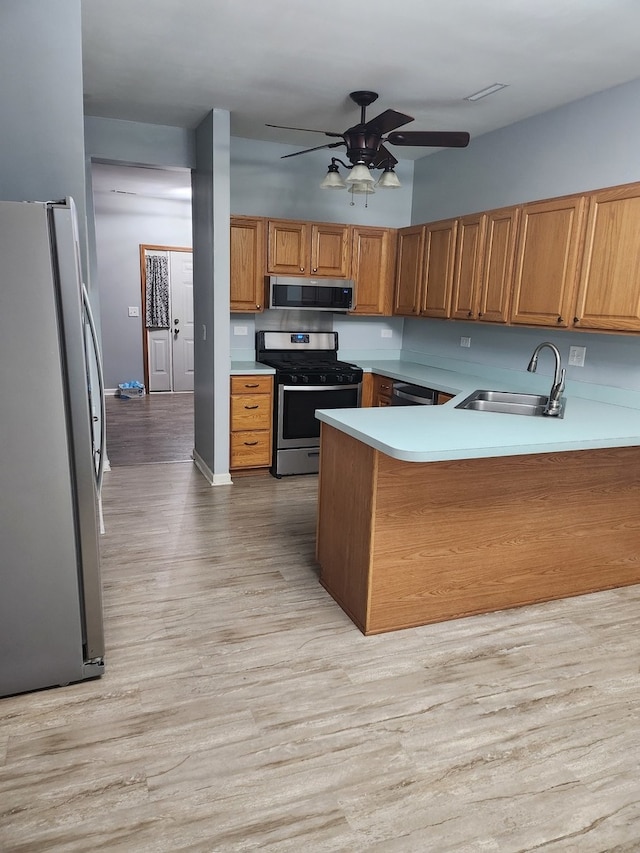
51,454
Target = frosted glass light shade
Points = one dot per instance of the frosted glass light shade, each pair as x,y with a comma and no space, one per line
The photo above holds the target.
360,174
361,187
389,180
333,181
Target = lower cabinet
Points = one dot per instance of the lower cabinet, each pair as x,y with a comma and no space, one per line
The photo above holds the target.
382,387
251,421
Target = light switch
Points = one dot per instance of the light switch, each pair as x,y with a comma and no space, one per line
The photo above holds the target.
134,311
386,333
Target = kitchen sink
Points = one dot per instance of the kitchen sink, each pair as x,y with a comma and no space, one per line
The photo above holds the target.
507,402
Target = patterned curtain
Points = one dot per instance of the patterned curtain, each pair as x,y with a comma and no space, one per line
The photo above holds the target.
157,292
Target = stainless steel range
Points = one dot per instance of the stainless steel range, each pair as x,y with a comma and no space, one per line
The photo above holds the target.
308,377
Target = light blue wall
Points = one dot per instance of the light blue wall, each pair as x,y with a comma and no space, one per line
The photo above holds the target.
584,145
41,108
124,222
211,294
262,184
110,140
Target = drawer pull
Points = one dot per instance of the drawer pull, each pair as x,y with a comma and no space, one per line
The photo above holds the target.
252,407
247,385
250,443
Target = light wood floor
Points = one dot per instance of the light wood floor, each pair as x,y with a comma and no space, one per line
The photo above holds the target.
241,709
154,428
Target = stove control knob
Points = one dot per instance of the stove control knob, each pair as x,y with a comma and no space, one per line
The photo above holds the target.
340,378
293,378
305,378
350,378
323,378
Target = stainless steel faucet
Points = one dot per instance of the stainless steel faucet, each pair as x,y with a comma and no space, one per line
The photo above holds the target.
554,405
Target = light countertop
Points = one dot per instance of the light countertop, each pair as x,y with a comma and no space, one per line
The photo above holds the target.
438,433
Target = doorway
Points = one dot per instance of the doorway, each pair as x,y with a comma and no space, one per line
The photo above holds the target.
166,274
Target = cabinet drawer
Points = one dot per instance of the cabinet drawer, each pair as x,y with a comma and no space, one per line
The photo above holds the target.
250,449
251,384
250,411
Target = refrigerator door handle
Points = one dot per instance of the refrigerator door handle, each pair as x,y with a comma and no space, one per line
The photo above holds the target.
98,360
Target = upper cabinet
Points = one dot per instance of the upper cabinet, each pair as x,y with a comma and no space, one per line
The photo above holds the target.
609,294
410,255
438,267
308,249
498,255
467,277
247,264
549,238
372,268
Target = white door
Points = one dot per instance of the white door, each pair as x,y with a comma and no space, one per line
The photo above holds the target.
181,283
170,351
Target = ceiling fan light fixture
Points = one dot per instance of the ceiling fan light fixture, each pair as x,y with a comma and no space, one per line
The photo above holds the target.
488,90
333,179
388,180
360,174
360,187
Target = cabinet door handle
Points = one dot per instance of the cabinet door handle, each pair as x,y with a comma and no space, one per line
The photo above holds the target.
560,320
250,443
576,319
252,407
301,269
315,269
469,313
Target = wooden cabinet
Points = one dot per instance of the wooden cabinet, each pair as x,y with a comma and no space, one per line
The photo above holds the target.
443,397
467,275
247,264
484,265
382,387
251,421
438,267
410,255
609,293
308,249
549,239
372,268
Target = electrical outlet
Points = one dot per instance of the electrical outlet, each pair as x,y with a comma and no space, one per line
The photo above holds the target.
240,330
386,333
576,356
465,342
134,311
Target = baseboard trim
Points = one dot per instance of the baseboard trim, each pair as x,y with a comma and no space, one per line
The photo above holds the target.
207,473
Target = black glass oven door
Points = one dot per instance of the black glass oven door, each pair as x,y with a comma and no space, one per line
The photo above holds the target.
297,425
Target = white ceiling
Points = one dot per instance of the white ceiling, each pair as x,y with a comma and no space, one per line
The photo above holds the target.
294,62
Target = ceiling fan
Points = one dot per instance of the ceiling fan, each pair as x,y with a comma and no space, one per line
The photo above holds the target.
364,141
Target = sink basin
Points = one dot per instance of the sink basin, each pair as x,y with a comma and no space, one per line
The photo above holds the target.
507,402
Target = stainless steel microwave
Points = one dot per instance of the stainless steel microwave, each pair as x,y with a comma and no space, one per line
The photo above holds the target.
312,294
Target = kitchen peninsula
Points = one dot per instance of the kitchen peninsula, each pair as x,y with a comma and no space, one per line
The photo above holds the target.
433,513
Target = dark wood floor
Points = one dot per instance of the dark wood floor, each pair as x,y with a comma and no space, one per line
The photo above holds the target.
155,428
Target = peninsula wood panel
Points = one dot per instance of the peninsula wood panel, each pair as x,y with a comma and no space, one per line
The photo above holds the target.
451,539
344,528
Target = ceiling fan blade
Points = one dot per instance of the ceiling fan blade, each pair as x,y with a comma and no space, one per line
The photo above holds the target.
386,121
317,148
305,129
435,138
383,157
